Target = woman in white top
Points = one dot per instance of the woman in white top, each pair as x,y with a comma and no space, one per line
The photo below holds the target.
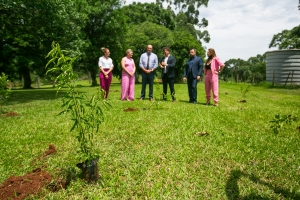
106,66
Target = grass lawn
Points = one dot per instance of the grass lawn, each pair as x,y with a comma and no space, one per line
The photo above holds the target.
155,153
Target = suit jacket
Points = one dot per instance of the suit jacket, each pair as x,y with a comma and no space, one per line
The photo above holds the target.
195,66
170,68
214,66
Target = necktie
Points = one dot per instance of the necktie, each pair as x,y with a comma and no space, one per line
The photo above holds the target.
148,61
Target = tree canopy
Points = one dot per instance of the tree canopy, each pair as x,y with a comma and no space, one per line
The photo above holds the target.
82,27
253,70
287,39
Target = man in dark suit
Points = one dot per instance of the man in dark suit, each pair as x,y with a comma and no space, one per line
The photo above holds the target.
167,64
192,74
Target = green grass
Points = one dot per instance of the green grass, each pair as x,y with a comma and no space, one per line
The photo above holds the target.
156,153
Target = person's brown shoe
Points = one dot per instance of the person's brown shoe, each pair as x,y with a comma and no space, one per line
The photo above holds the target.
141,99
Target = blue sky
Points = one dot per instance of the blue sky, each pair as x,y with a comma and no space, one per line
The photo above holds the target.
241,28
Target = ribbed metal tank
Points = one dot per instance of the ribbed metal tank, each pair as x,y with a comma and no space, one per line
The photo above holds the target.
286,64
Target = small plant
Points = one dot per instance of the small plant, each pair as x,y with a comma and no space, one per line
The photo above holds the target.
245,90
4,91
279,121
86,113
156,99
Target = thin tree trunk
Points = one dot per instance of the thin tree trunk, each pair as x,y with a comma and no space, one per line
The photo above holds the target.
93,77
26,77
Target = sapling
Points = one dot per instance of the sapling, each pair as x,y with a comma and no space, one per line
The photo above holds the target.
245,90
86,113
156,99
4,91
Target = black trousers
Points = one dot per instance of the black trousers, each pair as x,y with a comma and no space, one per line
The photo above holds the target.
166,80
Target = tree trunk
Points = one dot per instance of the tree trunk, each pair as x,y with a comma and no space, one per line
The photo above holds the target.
89,76
93,77
26,77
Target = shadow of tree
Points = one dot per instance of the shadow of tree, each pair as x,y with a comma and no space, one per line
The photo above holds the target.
233,192
24,96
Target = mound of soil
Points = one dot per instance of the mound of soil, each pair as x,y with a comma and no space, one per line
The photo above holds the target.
50,151
10,114
19,187
130,109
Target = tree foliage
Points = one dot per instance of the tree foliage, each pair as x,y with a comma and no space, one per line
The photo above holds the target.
106,27
253,70
287,39
151,24
84,26
28,29
138,13
190,8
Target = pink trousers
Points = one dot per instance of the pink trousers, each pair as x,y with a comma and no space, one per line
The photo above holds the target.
105,82
212,85
127,86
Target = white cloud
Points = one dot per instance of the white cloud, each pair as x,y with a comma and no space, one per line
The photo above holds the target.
241,28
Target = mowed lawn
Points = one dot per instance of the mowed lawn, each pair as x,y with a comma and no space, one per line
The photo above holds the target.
155,151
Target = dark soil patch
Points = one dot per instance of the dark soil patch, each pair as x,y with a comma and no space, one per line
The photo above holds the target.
243,101
50,151
10,114
130,109
20,187
202,133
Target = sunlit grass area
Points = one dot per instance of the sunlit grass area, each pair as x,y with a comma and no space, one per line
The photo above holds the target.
163,150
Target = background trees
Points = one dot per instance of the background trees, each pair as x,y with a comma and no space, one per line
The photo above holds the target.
252,71
287,39
84,26
28,29
152,24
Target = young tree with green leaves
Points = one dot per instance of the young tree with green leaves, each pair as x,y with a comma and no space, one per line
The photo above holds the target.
4,91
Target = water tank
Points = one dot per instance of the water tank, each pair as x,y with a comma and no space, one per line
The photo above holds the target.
286,64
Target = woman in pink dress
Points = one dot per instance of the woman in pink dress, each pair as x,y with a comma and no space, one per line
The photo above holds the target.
213,66
128,78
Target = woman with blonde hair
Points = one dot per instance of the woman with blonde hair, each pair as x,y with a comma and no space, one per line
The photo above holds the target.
213,66
128,78
106,66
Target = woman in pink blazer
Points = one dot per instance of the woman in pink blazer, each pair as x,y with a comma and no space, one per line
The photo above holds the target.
213,66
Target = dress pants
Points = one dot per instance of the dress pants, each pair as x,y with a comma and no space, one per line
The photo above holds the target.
147,79
212,84
166,80
192,87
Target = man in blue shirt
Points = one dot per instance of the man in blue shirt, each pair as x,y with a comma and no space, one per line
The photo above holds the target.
148,63
192,74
